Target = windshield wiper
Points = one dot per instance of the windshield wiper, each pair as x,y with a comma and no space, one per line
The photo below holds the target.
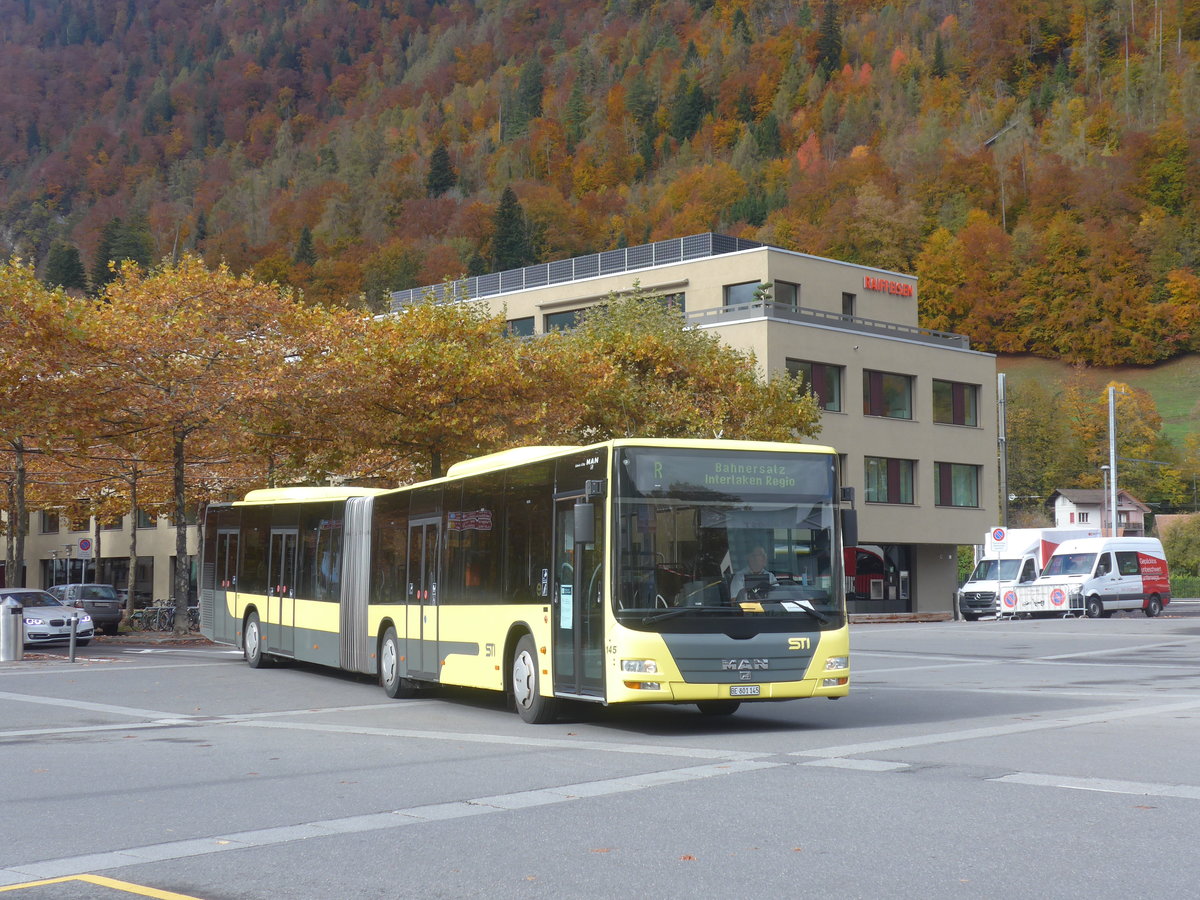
672,613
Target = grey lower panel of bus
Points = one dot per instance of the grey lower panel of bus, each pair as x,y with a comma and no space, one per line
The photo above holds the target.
357,646
719,659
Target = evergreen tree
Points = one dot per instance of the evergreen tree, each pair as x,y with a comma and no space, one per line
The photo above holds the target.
527,101
687,109
305,254
511,245
64,268
740,27
577,113
441,175
104,249
938,70
201,233
829,40
766,136
120,241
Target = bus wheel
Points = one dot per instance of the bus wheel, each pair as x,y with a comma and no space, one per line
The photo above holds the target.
526,685
1153,606
718,707
252,643
389,667
1094,608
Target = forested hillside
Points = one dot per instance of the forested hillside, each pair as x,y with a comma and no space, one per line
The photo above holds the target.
1034,161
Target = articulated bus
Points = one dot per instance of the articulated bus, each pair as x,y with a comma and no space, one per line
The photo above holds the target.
614,573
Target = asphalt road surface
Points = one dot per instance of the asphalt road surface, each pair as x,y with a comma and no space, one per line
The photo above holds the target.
1047,758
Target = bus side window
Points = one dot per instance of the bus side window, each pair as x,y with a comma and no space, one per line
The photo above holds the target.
1027,572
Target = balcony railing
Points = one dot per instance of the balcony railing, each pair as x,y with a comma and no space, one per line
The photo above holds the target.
802,316
610,262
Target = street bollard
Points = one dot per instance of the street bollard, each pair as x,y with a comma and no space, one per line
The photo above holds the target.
74,620
12,631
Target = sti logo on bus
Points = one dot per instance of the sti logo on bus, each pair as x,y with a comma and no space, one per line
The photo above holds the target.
799,643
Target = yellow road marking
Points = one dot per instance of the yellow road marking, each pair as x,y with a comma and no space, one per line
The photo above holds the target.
99,880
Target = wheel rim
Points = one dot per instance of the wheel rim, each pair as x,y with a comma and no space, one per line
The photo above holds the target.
524,679
389,661
252,638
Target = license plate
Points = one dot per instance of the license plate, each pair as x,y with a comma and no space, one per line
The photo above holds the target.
744,690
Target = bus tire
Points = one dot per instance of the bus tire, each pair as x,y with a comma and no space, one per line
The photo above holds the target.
526,685
1153,606
252,643
718,707
393,683
1094,608
971,617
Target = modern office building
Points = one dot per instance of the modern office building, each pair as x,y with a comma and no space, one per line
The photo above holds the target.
911,411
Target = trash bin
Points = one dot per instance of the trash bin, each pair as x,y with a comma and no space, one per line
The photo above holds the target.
12,631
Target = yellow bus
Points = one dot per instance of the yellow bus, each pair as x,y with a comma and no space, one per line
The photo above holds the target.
629,571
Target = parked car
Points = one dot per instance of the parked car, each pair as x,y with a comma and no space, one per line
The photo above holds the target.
101,601
47,620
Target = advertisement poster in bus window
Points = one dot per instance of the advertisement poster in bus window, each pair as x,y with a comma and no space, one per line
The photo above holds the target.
565,600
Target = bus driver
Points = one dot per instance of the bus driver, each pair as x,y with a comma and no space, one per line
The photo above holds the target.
754,577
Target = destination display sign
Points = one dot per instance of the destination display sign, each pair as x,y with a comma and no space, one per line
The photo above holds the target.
731,473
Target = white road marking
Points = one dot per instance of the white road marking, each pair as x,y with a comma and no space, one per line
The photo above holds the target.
971,734
1103,785
522,740
115,859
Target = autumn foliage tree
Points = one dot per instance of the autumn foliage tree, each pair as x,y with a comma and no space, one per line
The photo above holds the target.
174,356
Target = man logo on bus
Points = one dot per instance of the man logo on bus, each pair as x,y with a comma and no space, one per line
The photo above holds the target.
1010,599
1057,597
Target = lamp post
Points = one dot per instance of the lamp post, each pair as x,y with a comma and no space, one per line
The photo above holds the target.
1104,500
1112,455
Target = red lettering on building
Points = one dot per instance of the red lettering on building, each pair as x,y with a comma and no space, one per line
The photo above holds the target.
899,288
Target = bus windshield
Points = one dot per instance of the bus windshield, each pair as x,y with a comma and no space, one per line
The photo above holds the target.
737,542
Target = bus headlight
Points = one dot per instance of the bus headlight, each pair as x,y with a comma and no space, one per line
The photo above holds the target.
836,662
641,666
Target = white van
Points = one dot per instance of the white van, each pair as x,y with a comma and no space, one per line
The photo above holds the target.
1010,556
1097,576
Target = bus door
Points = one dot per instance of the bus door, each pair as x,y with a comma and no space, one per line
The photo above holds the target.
279,626
423,548
577,607
224,582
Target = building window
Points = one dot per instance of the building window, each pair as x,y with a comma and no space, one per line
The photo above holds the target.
49,524
889,480
672,301
955,403
885,394
113,524
1083,517
78,523
825,381
146,520
957,485
848,305
562,321
522,327
744,293
787,293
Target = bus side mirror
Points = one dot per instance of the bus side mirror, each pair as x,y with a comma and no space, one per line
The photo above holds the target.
849,527
585,523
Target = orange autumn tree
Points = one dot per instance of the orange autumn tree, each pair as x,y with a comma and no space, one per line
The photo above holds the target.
38,328
173,356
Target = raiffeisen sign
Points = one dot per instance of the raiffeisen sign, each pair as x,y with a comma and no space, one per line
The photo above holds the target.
899,288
